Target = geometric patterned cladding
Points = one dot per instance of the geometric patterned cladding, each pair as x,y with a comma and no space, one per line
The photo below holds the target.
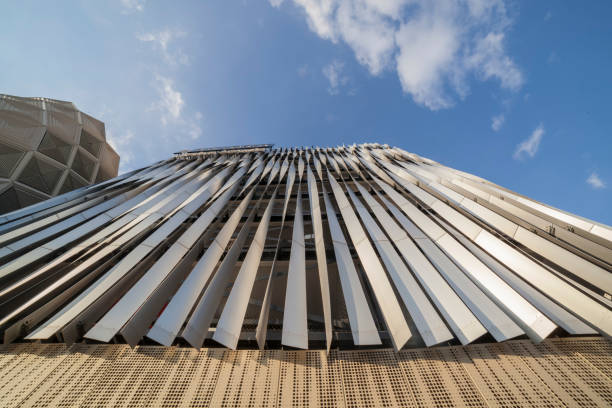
305,248
518,373
48,147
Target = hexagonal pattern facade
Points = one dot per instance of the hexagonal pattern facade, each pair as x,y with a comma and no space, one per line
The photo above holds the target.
49,147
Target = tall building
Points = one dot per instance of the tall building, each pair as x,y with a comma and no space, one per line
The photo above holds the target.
49,147
360,275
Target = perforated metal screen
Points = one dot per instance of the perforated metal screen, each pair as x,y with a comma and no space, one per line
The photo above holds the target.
557,372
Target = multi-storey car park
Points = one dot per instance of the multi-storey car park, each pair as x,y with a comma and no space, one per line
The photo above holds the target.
359,275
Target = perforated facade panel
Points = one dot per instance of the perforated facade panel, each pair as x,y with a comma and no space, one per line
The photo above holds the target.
518,373
48,147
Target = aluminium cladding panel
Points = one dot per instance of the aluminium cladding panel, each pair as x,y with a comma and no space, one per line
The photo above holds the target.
361,321
431,327
492,317
111,277
264,313
168,324
118,315
383,291
526,315
464,324
585,307
317,225
562,257
98,288
124,202
556,313
197,326
72,273
295,321
231,319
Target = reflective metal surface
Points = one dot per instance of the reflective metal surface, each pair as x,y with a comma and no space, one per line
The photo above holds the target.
304,248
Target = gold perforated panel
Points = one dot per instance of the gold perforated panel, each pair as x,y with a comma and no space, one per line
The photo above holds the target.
374,379
309,378
554,373
436,379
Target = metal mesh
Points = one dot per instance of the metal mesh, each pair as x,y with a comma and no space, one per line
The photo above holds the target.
555,373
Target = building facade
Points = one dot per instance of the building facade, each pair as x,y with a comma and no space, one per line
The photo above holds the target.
366,274
48,147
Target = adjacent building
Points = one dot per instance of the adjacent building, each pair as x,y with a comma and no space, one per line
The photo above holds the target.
358,275
49,147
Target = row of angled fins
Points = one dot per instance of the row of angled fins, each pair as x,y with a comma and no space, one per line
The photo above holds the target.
462,256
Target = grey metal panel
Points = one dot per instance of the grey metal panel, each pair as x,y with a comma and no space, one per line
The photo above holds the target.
464,324
317,225
197,327
589,310
119,314
262,324
230,323
390,308
487,312
573,263
72,309
169,323
362,323
430,325
79,304
523,313
127,200
556,313
295,325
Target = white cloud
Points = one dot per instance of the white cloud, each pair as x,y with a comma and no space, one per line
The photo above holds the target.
595,182
276,3
333,73
497,122
490,61
130,6
161,40
171,101
529,146
434,45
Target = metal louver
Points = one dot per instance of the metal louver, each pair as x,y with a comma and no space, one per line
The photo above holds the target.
303,247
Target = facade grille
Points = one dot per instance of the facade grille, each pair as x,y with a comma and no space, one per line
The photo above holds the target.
554,373
362,246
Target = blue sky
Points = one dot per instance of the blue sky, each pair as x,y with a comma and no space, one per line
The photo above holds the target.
517,92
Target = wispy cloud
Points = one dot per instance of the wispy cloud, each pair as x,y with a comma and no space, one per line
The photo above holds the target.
131,6
334,74
122,145
529,147
276,3
161,41
433,45
170,102
595,181
497,122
